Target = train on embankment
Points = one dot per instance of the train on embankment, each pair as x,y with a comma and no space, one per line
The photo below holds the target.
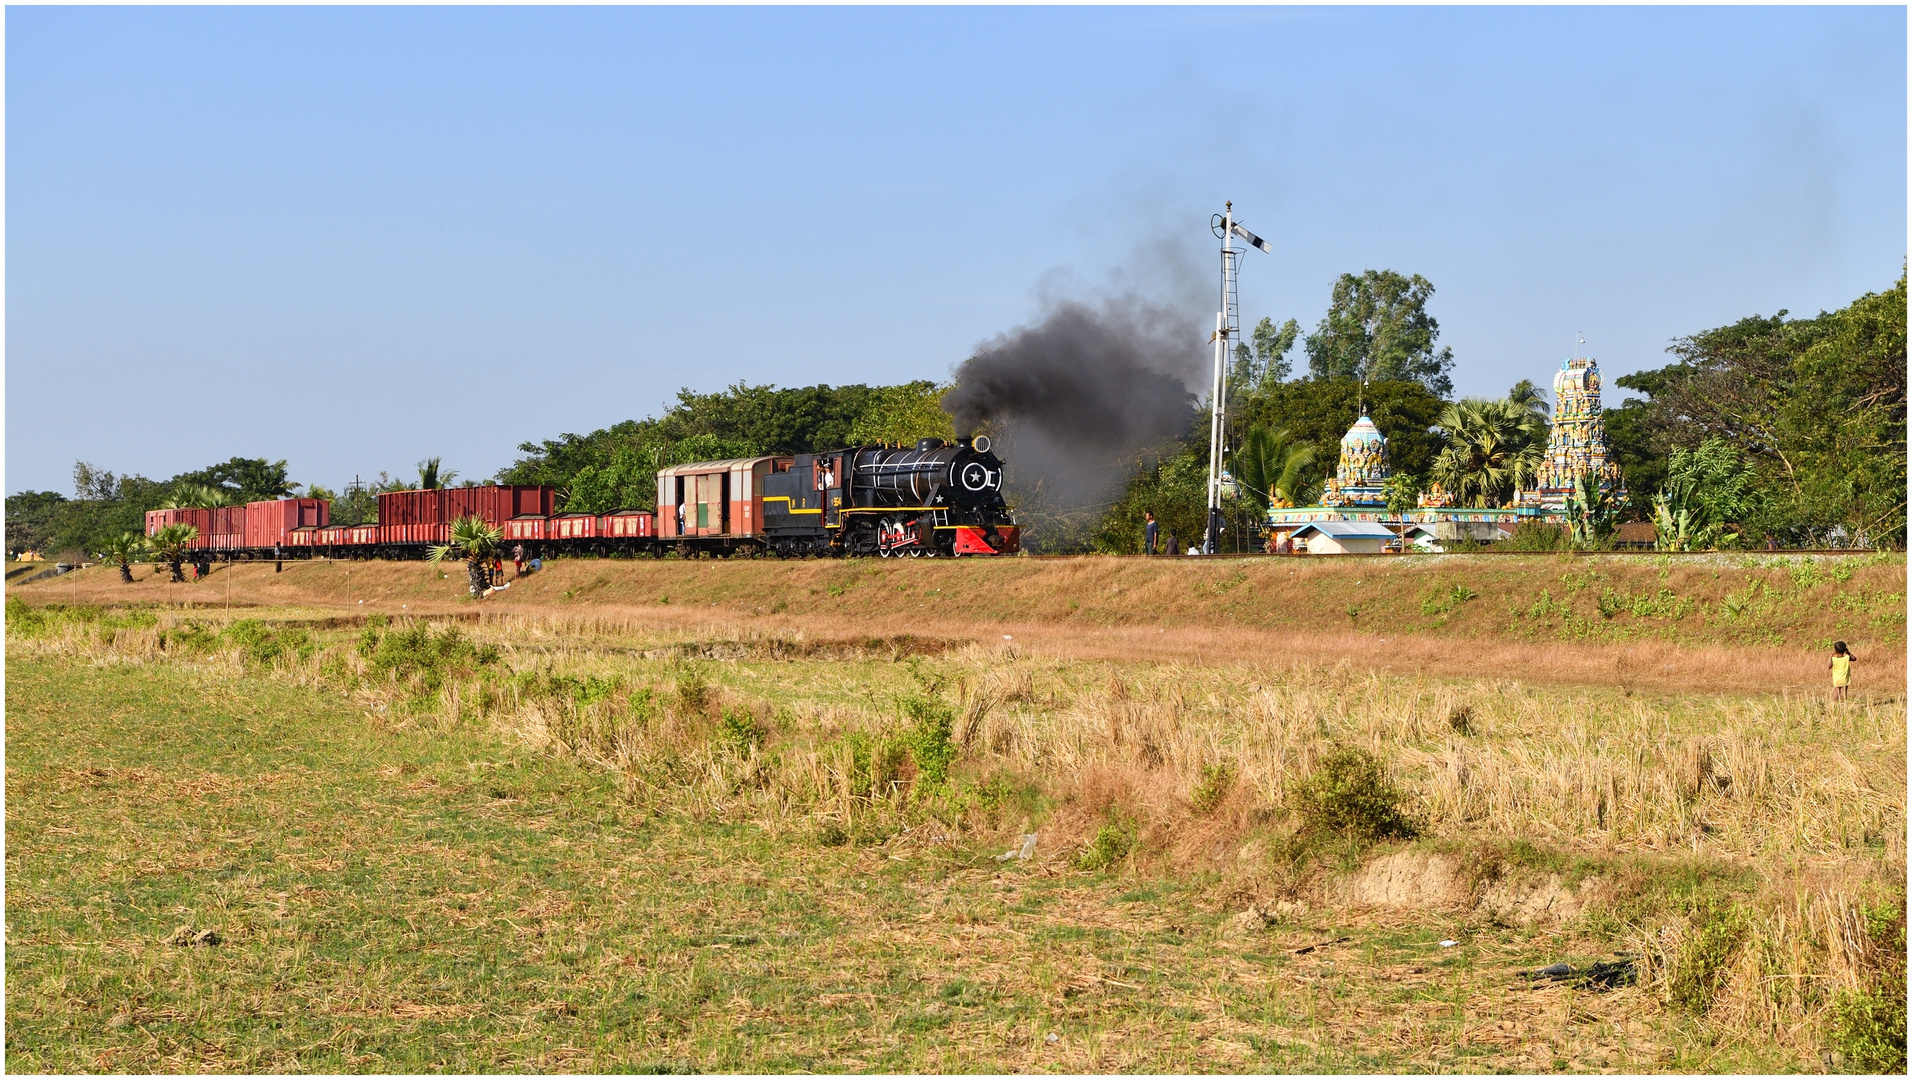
935,498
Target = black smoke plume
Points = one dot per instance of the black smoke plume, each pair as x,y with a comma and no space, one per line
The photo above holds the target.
1078,398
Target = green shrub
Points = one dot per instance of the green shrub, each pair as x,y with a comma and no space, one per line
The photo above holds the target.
1218,779
739,731
263,644
23,619
1112,842
1699,971
188,639
930,738
694,692
1350,793
1868,1026
428,659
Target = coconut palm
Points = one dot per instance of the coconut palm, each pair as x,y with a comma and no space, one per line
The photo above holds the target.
1494,446
172,543
1273,462
122,551
474,541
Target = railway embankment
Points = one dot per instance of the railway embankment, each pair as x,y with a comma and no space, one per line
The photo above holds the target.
1747,622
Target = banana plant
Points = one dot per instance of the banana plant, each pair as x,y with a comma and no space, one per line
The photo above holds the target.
474,541
1589,511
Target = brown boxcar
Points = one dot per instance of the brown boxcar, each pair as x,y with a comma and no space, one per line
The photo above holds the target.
269,524
198,517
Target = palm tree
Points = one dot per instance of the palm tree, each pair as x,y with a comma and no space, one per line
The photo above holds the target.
1530,397
121,551
1493,448
475,542
1274,463
171,545
198,497
430,477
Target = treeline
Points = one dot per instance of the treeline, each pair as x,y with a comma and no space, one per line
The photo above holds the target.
615,468
105,505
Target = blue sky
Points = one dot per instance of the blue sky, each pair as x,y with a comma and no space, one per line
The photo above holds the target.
355,237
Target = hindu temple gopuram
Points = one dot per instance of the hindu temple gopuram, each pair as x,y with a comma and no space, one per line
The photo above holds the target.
1576,446
1576,441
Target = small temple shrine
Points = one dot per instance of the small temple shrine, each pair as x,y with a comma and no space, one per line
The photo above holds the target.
1357,492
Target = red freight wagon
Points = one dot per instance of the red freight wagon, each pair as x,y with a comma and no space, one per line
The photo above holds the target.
627,523
228,528
525,528
573,527
301,538
411,517
269,524
499,503
329,536
361,535
198,518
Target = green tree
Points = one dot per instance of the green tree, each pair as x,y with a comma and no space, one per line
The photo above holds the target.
474,541
1266,363
123,551
1378,328
242,479
1319,413
1816,406
1709,491
32,519
904,414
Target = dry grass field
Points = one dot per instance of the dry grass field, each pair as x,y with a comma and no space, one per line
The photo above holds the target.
750,816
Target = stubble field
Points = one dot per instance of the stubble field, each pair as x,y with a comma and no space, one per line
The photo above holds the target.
757,826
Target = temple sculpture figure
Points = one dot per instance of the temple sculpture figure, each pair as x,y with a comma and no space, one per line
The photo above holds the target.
1576,442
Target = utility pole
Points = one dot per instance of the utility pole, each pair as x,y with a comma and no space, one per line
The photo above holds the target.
1227,327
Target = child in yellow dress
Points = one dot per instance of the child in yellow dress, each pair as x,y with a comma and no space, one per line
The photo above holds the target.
1841,668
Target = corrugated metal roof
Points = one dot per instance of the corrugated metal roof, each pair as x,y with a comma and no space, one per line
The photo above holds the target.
1348,529
714,466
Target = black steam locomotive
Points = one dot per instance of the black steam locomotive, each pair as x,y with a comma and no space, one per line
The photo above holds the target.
936,499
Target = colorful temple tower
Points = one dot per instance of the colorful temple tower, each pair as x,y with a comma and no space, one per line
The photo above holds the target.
1576,442
1360,479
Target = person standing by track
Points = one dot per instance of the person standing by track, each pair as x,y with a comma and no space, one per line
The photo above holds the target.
517,560
1148,532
